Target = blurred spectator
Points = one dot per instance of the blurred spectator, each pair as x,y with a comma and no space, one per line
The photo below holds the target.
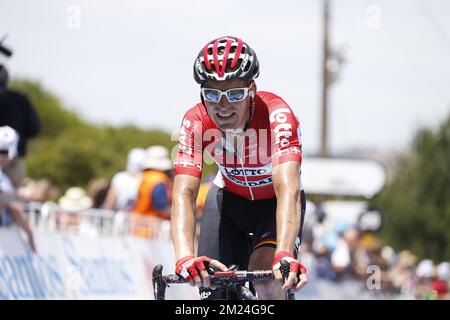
124,185
389,255
341,256
425,269
71,218
323,234
75,199
440,284
425,274
154,191
443,271
38,190
98,189
323,265
17,112
368,253
10,207
401,274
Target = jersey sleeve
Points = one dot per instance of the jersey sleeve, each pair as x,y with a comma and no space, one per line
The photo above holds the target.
285,131
189,157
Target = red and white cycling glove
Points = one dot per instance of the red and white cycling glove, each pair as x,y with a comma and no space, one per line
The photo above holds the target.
190,267
294,265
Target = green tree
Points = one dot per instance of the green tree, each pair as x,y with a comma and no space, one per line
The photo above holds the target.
416,203
71,151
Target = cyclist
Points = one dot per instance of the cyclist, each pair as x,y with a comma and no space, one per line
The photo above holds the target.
254,211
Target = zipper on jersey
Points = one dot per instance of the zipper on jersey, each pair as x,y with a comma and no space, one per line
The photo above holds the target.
235,150
245,177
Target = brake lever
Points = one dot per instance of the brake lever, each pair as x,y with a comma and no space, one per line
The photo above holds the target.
285,269
209,269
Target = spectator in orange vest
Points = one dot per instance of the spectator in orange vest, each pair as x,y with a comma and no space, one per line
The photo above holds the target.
154,193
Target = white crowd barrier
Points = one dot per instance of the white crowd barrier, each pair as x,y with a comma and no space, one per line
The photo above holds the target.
95,254
73,266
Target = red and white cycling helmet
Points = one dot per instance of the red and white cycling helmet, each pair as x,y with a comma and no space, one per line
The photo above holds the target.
226,58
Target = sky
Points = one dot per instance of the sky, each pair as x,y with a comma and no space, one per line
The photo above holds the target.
130,62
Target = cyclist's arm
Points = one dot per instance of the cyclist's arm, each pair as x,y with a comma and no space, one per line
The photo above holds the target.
188,170
286,183
185,190
286,161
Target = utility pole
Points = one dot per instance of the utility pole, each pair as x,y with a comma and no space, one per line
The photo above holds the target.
325,80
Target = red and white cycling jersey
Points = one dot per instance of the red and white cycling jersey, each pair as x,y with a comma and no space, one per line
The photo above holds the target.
245,161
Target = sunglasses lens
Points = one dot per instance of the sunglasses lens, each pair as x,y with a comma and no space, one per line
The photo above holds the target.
211,95
235,95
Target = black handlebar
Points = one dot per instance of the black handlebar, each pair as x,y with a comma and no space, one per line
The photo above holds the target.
225,279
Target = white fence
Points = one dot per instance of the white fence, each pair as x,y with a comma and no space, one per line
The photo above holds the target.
86,255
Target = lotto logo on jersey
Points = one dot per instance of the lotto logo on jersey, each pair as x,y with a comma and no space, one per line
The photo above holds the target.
283,130
244,171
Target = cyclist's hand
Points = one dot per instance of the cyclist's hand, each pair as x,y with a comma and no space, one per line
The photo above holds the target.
296,270
194,270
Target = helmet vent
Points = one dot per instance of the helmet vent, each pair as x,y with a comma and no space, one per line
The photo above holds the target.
247,67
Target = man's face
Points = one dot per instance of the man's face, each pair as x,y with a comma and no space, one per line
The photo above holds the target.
226,114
